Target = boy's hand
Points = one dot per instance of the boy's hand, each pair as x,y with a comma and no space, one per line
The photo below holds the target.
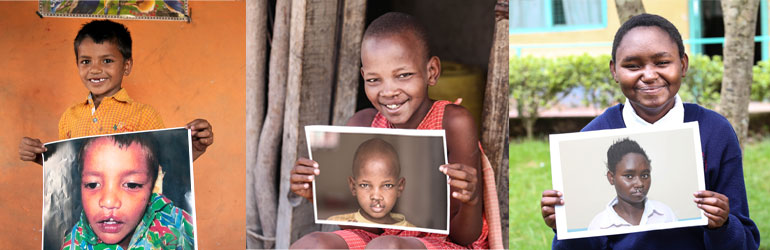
715,206
302,175
465,180
202,136
31,150
548,203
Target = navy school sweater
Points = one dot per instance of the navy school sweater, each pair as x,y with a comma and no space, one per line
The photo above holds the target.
723,174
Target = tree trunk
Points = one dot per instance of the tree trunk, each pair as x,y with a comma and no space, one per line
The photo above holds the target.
740,18
349,60
256,37
494,127
628,8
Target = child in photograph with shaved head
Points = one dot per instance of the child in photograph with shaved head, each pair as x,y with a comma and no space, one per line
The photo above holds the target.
377,184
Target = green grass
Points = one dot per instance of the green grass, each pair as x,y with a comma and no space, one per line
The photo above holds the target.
530,174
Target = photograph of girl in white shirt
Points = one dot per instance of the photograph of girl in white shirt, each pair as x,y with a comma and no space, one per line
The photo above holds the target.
629,171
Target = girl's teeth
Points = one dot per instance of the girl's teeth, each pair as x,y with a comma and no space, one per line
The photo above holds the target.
392,106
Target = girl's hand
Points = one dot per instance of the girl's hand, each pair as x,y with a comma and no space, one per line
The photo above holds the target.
715,206
464,180
302,176
31,150
548,203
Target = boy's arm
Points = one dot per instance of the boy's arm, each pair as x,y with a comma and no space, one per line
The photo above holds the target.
463,171
31,150
202,136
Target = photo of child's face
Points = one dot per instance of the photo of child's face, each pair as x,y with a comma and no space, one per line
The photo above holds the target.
116,186
631,178
377,187
396,77
101,67
648,67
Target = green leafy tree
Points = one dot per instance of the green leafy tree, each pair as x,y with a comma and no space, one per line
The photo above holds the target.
537,84
760,88
703,81
592,74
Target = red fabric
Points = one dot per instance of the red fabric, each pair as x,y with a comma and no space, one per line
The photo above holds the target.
357,239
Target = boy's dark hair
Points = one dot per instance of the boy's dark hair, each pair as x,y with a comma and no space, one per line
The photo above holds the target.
123,141
373,147
106,30
396,23
621,148
648,20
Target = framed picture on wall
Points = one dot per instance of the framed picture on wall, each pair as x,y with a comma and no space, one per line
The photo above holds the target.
383,178
627,180
130,189
133,9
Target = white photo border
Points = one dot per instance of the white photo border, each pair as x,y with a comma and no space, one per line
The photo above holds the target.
382,131
564,233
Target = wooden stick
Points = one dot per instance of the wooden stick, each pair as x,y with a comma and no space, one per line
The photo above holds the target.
349,61
494,129
256,33
291,121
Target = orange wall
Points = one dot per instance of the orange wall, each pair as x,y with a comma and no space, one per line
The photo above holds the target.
185,70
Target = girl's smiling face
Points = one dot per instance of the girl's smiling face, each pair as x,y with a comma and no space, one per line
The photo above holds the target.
649,70
116,186
631,178
397,77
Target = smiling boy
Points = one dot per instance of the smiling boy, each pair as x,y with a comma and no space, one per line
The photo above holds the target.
103,55
119,208
377,184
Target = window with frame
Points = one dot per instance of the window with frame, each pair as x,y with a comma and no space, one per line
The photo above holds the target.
530,16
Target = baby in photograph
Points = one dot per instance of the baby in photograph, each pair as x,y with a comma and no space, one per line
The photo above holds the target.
628,169
120,210
376,183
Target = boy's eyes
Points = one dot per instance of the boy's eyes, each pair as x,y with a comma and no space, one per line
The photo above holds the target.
645,176
88,61
405,75
91,185
363,185
133,186
389,186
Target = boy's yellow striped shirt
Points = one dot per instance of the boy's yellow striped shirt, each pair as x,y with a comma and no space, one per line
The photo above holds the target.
116,114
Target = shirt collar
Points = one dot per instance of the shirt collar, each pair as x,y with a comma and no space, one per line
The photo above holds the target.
674,116
616,220
360,218
121,95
